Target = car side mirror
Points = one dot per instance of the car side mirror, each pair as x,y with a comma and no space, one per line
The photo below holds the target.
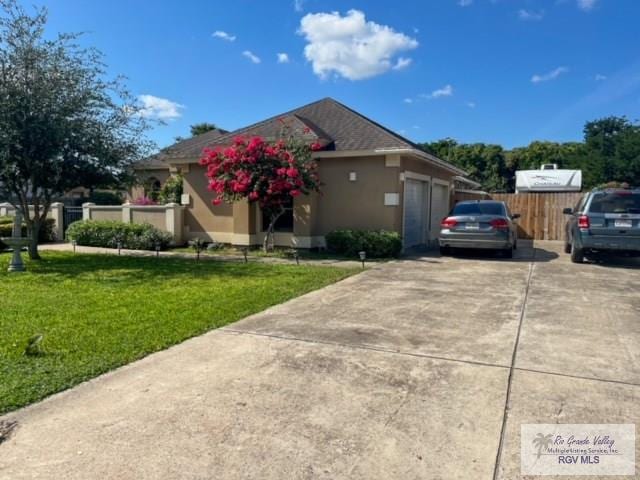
568,211
515,215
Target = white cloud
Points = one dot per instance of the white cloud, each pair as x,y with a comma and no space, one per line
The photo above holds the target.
471,104
298,5
402,63
465,3
445,91
586,5
530,15
552,75
408,100
350,46
599,77
224,36
159,108
283,58
251,56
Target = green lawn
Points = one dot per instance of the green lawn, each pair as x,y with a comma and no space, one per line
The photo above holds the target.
98,312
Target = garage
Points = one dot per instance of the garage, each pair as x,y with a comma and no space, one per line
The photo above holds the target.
440,205
416,206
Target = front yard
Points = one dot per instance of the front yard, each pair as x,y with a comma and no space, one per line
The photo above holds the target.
97,312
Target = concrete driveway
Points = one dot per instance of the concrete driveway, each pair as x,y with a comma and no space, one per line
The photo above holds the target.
418,369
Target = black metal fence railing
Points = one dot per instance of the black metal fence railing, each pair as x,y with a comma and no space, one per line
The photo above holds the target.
71,214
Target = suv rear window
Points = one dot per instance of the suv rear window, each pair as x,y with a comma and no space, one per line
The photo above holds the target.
615,202
489,208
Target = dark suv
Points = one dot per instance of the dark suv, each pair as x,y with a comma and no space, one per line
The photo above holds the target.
604,220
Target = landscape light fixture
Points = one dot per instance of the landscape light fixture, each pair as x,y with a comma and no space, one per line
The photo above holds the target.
245,251
119,246
157,249
363,256
74,243
296,255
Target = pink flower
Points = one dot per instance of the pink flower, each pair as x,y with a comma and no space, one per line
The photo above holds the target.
292,172
253,196
315,146
217,201
294,193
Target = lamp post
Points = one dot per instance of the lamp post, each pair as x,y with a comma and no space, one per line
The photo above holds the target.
363,255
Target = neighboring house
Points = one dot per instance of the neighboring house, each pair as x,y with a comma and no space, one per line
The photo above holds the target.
372,178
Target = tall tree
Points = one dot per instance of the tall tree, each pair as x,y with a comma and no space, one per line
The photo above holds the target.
200,128
63,124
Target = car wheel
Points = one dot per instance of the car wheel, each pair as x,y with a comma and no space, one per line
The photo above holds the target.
567,248
445,251
515,243
577,254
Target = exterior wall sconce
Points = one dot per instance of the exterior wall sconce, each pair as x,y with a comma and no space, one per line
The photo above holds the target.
353,176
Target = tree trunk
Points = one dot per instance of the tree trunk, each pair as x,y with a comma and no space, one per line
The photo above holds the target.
33,230
268,243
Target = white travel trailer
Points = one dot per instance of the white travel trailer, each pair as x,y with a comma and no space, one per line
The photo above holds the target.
548,179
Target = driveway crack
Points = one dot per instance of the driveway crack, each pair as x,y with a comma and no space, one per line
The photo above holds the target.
507,401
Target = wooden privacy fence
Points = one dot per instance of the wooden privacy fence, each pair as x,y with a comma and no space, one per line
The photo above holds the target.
541,213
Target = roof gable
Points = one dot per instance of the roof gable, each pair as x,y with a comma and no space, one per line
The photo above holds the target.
336,126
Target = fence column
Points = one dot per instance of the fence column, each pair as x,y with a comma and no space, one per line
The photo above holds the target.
86,210
4,209
57,214
174,221
126,212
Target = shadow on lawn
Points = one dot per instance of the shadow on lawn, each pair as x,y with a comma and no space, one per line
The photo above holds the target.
142,269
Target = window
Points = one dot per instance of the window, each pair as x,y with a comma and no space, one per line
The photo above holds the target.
479,208
284,223
618,202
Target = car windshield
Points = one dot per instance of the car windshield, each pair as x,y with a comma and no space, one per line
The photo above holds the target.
488,208
615,202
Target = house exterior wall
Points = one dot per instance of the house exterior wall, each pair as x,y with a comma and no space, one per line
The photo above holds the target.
202,219
357,204
344,203
137,191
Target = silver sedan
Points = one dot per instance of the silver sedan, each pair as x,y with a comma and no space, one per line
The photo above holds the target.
485,224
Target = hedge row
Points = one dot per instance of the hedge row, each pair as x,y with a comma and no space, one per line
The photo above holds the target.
107,234
376,243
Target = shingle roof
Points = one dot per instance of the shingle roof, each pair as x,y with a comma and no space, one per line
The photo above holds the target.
336,126
160,159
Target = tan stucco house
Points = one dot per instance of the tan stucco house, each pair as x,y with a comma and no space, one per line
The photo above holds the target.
372,178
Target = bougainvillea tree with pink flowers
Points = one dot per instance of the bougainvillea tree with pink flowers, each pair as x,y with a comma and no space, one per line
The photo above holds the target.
268,173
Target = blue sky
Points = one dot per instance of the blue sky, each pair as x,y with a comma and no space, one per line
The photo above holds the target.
505,71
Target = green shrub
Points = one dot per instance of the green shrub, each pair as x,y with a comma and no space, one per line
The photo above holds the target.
95,233
172,190
377,243
105,198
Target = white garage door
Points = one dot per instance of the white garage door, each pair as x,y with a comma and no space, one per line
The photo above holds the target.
415,211
439,207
